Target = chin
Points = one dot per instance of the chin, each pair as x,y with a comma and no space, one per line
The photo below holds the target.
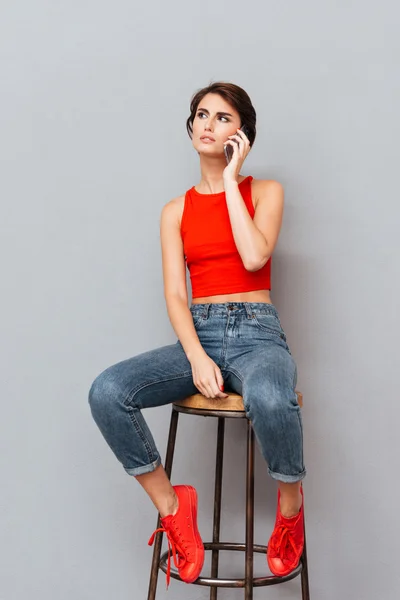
209,150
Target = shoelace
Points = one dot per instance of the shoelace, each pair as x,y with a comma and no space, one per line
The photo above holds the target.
282,540
174,548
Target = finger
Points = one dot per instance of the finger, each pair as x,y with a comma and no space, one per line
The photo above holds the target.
220,381
202,389
207,392
215,390
243,135
229,143
210,393
220,393
236,148
242,138
219,378
215,386
217,395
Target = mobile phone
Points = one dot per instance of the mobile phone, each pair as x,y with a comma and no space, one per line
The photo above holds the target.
228,149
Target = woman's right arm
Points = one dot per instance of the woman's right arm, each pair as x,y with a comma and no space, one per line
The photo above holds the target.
206,374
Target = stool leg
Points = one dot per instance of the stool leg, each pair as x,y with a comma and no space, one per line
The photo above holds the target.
158,539
249,513
305,590
217,502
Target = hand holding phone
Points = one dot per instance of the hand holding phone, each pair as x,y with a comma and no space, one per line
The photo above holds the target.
228,149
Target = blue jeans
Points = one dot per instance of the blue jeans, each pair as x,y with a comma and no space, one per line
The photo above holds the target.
246,340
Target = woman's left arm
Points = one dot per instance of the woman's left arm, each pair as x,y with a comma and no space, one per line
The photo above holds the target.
256,238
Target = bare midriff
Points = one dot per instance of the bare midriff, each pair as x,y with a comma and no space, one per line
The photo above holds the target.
255,296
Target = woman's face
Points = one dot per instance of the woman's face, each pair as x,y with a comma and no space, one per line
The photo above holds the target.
215,118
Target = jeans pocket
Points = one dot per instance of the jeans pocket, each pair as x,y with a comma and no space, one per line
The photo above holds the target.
198,319
270,324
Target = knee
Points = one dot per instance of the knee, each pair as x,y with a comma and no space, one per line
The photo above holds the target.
102,394
272,402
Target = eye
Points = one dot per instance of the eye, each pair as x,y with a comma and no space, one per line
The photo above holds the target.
221,117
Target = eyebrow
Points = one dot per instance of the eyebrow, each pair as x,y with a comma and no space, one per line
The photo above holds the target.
218,113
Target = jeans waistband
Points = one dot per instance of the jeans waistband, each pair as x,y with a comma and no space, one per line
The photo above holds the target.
237,308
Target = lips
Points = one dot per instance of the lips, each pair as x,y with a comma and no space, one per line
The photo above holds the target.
207,138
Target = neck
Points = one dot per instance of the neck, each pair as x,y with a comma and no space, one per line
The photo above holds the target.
212,180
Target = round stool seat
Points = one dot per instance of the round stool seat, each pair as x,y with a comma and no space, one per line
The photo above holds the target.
233,403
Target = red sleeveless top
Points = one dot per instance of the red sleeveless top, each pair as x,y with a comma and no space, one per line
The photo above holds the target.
214,264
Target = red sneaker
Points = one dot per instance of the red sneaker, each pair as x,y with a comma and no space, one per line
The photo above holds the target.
183,536
286,544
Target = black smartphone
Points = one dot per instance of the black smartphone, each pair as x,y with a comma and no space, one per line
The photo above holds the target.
228,149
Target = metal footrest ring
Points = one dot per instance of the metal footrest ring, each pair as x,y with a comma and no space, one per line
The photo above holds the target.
232,583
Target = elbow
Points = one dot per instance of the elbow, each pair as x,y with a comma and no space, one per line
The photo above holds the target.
255,264
174,297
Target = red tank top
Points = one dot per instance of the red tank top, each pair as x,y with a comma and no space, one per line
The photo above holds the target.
214,264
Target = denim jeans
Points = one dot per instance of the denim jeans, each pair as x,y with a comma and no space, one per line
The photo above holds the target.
246,340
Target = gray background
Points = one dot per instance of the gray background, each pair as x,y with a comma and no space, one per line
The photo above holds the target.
94,97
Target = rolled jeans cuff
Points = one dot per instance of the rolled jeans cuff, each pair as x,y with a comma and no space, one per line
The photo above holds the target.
144,468
287,478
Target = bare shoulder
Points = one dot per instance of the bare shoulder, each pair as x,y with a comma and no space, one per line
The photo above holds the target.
266,190
173,210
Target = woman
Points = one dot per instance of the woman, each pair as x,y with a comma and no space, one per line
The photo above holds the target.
225,229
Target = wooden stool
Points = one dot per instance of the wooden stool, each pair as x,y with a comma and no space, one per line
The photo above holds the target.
231,407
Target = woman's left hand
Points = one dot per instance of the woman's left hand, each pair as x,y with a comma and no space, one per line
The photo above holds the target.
241,148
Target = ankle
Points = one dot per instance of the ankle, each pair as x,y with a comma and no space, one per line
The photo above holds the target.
290,507
174,508
170,507
289,513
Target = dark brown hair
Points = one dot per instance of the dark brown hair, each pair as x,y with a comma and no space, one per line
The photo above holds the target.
235,96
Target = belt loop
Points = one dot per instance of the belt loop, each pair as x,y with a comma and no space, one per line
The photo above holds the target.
248,310
206,310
